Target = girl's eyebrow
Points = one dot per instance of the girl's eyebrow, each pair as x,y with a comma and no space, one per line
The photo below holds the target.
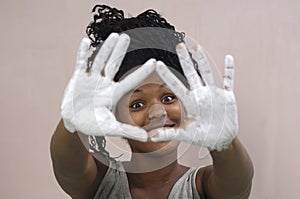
137,91
162,85
141,90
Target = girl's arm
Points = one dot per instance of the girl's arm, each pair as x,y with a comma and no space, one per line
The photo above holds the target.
75,169
230,176
214,125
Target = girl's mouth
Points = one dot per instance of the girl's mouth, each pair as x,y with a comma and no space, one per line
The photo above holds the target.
150,127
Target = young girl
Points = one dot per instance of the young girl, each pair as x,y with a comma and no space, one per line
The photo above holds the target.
126,89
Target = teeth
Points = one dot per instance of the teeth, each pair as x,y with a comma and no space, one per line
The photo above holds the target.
152,134
150,128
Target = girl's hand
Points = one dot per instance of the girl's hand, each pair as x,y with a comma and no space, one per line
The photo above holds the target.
211,111
90,97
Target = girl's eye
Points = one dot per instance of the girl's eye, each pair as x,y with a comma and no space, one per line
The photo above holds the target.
168,99
136,105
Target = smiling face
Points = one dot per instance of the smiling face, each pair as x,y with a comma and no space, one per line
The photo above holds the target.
151,105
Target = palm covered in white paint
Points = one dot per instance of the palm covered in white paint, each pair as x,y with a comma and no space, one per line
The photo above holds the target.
211,111
90,96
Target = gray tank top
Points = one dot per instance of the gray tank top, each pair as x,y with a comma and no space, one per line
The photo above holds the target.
114,185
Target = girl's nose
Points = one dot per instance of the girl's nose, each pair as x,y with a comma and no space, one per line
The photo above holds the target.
157,111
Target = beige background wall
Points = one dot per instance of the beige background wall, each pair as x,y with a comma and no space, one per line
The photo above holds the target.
39,40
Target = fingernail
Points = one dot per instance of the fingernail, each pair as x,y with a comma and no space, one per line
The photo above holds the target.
229,60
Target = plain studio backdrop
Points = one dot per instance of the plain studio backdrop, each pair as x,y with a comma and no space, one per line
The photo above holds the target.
39,41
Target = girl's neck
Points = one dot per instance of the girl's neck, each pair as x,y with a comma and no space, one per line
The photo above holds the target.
149,170
152,161
160,178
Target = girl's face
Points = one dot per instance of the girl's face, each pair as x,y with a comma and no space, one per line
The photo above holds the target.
151,105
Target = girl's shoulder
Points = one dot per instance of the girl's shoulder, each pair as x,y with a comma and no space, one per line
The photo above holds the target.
114,183
201,178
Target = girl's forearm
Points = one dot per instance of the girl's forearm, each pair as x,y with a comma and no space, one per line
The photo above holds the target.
232,170
69,156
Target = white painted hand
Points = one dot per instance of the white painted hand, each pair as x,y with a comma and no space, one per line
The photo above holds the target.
91,96
211,111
